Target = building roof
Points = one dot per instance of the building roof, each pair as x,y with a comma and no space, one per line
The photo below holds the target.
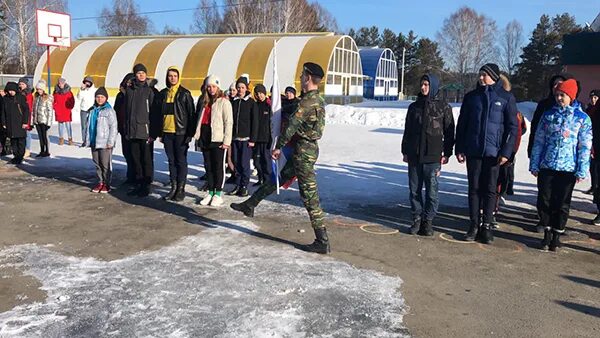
581,49
370,60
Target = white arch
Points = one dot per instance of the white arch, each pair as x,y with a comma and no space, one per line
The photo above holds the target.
289,50
174,55
122,61
226,58
74,69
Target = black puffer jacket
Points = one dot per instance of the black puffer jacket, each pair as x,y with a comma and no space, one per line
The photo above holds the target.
245,118
264,122
139,98
429,128
185,113
14,114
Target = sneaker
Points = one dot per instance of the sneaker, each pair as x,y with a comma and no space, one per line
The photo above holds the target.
206,200
596,221
216,201
98,187
105,189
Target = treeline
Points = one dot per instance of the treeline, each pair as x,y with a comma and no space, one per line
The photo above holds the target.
467,40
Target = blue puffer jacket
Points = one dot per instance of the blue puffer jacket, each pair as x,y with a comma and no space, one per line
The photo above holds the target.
487,124
563,141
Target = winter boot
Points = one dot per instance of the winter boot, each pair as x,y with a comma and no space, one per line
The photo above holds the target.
596,221
144,191
136,189
71,142
242,192
234,191
244,208
555,242
416,225
180,192
487,236
61,141
473,232
321,243
171,192
547,238
426,228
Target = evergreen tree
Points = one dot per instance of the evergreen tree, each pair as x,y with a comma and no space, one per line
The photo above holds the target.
541,57
367,36
389,40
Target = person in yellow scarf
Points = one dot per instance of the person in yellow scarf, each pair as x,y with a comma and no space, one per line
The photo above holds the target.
174,123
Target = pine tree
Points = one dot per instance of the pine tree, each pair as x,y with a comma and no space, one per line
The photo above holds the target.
541,57
389,40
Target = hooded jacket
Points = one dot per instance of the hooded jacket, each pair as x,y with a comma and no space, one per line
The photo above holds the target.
429,127
14,114
245,118
265,113
43,111
563,141
487,124
184,110
64,101
139,100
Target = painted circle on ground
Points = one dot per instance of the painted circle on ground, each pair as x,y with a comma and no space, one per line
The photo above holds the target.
365,226
443,236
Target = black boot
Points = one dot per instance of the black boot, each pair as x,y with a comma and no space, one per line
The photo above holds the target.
555,242
426,228
234,191
487,236
180,192
135,191
416,225
321,243
547,238
171,192
473,232
596,221
242,192
244,208
145,190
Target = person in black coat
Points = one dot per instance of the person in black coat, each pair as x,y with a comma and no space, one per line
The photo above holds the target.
174,122
426,144
14,118
139,100
245,131
121,108
262,147
485,138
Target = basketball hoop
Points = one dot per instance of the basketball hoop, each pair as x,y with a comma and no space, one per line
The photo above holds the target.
53,29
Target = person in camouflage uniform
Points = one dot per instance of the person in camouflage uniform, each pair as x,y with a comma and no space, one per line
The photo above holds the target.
306,126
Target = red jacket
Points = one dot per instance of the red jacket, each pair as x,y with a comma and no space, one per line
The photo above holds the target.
63,104
29,98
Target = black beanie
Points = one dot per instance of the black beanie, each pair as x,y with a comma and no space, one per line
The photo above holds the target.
290,89
242,80
492,70
139,68
11,86
102,91
260,89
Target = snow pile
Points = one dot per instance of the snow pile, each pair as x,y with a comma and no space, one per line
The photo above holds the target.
223,282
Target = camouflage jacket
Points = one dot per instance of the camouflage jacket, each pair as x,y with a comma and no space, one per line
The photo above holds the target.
307,122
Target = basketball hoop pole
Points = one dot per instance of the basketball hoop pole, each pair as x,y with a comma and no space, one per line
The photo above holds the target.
48,58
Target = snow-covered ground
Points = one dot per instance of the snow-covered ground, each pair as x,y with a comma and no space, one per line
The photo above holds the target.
359,164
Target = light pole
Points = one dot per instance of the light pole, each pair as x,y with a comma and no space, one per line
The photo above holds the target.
402,78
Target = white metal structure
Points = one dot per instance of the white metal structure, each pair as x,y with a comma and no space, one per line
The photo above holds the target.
53,28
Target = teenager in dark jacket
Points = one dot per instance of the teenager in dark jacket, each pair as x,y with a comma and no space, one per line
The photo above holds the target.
121,110
245,131
426,144
139,98
485,138
174,122
592,111
262,160
14,118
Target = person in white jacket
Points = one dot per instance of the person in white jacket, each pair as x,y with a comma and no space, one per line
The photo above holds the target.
84,102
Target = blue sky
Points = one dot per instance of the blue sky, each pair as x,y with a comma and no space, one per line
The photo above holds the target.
399,16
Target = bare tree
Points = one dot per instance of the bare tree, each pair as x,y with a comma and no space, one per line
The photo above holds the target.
467,40
511,44
19,21
123,19
207,18
168,30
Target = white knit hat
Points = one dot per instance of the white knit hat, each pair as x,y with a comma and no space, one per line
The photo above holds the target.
213,80
41,85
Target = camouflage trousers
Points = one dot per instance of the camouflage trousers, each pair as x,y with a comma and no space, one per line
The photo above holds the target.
302,166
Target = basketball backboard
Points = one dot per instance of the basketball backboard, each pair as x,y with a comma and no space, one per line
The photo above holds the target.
53,28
